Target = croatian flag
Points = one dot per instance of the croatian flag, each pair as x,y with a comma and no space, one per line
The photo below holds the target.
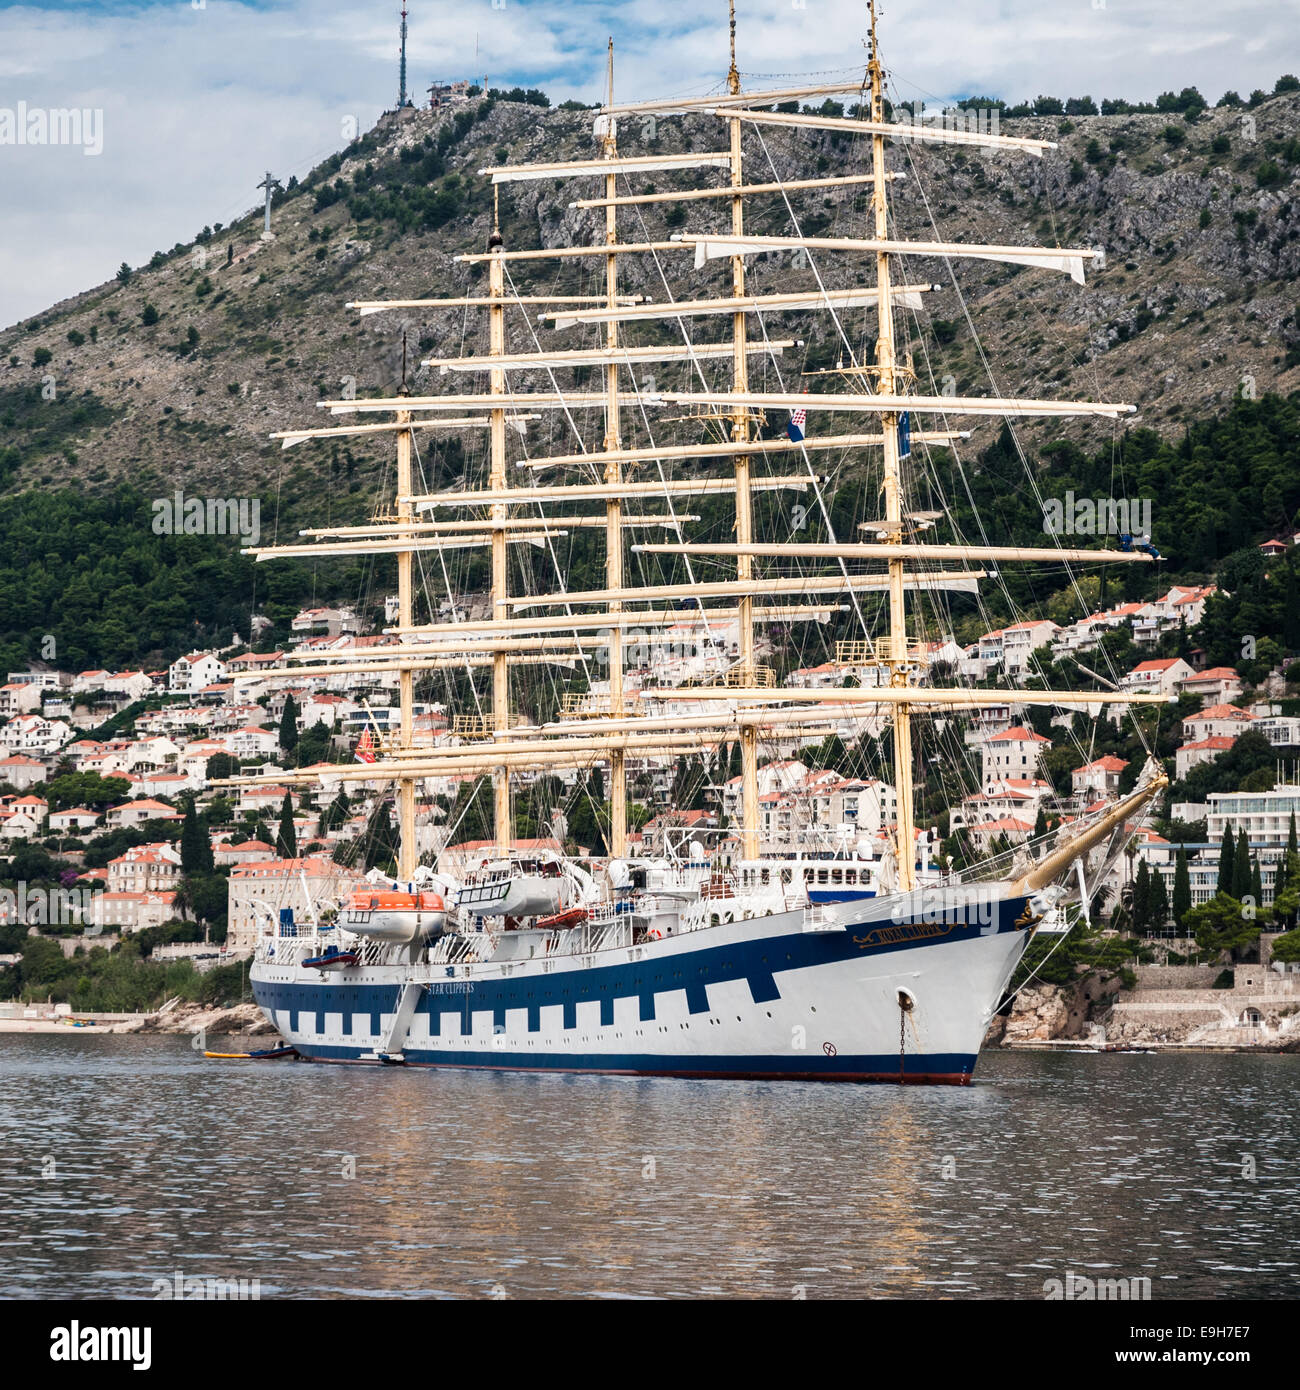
366,747
798,419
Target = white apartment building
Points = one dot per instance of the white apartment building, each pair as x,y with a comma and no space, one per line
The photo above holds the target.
1013,754
1220,685
29,733
1198,751
1161,677
258,891
145,869
1219,721
1099,779
43,680
1280,729
780,776
333,622
1182,606
189,674
19,698
132,911
1009,649
1265,816
22,773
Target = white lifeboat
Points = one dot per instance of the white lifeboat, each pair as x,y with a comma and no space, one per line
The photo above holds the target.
534,886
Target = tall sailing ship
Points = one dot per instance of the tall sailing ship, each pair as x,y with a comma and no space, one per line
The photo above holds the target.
856,963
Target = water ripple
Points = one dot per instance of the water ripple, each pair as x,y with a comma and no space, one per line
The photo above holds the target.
126,1160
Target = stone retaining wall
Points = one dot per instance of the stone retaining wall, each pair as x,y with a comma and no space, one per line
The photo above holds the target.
1189,997
1176,976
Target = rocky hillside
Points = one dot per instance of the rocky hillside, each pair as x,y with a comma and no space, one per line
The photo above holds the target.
175,374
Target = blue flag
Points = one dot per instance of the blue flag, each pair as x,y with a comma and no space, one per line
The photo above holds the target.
905,435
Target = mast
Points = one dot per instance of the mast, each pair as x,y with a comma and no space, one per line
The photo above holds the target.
614,476
886,385
688,724
405,616
744,505
497,483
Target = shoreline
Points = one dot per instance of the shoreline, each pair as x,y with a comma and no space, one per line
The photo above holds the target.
94,1023
234,1021
122,1025
1081,1046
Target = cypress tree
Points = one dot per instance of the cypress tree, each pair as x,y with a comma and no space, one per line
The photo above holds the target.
337,812
1256,883
1283,876
1141,899
1284,908
1226,861
1159,918
1241,868
286,842
196,847
1182,904
289,725
380,838
681,785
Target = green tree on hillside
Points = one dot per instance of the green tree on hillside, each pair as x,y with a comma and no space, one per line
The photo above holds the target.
1141,900
196,845
87,789
289,725
1159,911
1182,889
1227,862
1241,874
1221,926
380,839
286,841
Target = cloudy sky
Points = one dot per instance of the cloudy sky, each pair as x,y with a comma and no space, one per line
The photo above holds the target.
200,97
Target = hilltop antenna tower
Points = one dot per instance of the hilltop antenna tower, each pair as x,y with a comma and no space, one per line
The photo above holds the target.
402,99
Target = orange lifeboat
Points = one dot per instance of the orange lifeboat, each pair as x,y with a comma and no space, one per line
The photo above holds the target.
395,900
395,915
569,918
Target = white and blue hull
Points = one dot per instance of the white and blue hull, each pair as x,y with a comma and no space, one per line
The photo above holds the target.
778,996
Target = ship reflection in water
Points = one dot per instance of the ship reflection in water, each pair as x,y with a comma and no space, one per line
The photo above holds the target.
516,1185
